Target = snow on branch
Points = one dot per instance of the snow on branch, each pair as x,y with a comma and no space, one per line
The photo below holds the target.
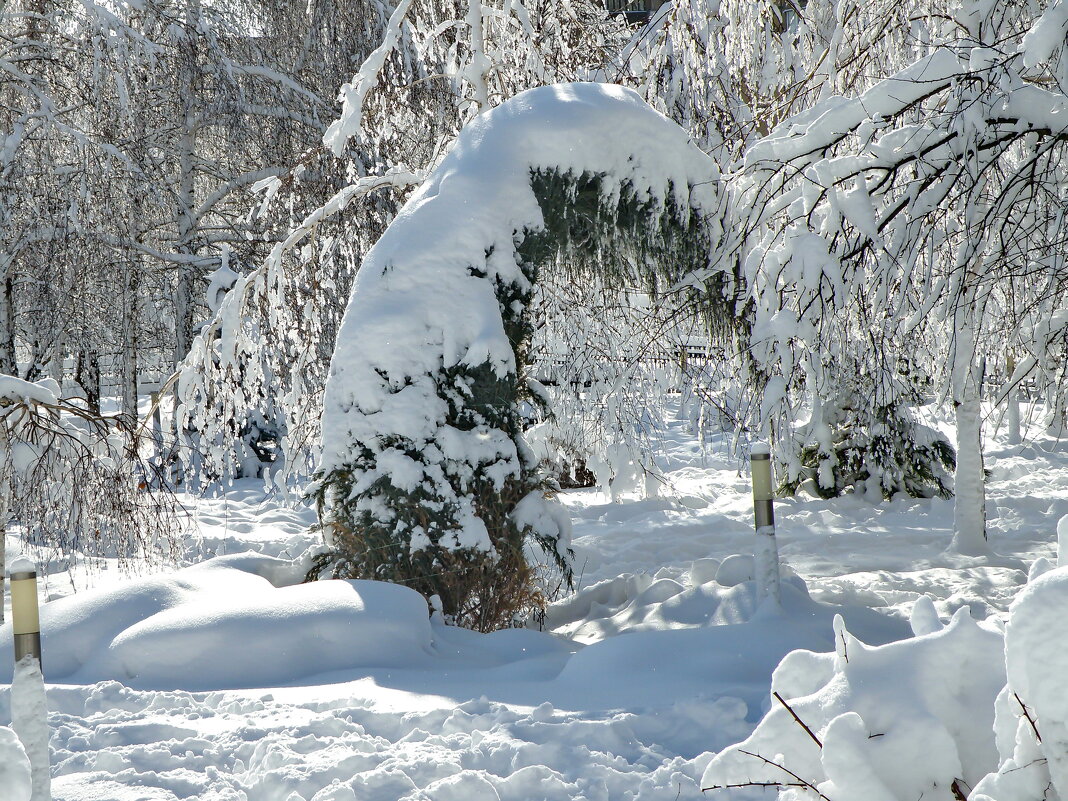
73,483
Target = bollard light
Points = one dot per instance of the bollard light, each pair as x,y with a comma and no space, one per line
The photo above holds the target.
766,553
25,616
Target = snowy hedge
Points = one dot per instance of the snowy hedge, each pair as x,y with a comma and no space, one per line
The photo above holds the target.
424,477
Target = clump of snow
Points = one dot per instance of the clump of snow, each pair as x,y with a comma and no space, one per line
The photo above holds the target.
21,564
924,617
221,281
546,518
29,719
926,703
735,569
704,570
1062,542
1046,35
44,391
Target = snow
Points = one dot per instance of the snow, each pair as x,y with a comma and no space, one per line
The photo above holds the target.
21,564
926,702
1037,661
1046,35
814,130
29,719
248,684
45,391
14,767
222,624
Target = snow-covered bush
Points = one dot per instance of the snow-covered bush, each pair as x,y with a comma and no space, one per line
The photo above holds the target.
877,452
425,478
966,710
897,722
73,483
867,438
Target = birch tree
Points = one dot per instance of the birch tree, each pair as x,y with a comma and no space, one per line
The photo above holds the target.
915,201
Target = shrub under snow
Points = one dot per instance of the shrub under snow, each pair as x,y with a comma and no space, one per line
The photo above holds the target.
931,717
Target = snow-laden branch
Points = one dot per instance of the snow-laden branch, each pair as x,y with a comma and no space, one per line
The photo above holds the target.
353,93
813,132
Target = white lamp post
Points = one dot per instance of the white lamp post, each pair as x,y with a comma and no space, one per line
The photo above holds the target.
29,710
25,616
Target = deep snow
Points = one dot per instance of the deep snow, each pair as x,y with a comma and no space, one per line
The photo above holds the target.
227,680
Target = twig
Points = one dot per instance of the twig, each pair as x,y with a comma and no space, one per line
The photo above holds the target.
799,783
1039,761
958,794
800,722
1034,726
777,785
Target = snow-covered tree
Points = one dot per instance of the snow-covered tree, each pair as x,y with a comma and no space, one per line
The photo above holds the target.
425,478
908,213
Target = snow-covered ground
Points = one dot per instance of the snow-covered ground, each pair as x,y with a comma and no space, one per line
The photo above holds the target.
231,680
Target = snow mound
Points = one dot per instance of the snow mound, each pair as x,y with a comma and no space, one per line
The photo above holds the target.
925,703
730,646
717,594
223,624
14,767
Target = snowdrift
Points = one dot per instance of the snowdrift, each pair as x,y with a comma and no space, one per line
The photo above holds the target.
223,624
243,621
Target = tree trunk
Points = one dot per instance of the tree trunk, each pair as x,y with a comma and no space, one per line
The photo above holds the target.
1012,411
969,502
87,376
57,361
5,498
8,364
184,308
128,366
